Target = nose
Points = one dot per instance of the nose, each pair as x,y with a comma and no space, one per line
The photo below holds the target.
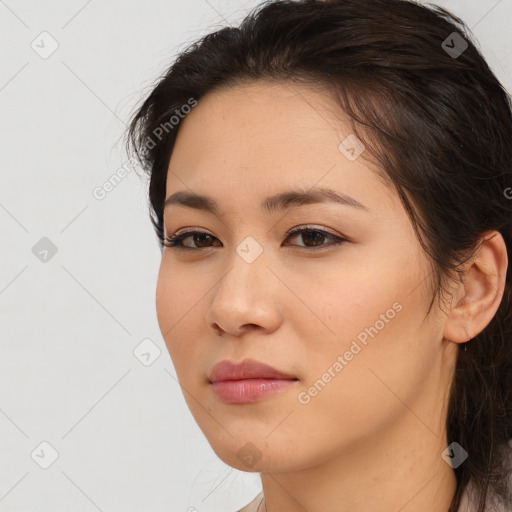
246,298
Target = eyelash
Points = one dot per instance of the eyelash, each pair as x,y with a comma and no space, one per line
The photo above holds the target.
175,241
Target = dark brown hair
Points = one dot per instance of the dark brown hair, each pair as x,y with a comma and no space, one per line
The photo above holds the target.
438,123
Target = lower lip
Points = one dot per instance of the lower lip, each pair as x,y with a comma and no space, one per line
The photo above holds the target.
248,390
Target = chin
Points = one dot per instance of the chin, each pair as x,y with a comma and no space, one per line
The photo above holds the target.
250,454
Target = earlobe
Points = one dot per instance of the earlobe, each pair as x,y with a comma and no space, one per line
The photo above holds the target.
477,298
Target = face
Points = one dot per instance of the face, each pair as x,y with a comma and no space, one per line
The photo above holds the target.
340,306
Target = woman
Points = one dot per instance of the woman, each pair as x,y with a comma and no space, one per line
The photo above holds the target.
331,188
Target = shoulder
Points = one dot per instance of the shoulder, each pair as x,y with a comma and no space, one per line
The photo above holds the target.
253,505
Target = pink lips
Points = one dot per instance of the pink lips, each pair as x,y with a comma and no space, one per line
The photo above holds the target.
247,381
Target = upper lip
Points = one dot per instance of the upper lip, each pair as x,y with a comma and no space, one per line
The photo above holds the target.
246,369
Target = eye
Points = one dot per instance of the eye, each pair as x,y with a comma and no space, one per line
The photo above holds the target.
309,235
176,240
314,235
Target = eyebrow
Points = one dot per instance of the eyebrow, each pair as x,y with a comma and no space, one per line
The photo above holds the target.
278,202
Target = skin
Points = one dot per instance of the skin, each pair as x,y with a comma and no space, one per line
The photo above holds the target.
372,438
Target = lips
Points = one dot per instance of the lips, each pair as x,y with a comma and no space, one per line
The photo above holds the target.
248,381
246,369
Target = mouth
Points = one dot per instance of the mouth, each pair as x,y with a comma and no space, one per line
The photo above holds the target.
246,369
247,381
244,391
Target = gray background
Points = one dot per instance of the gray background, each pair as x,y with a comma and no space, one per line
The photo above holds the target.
71,322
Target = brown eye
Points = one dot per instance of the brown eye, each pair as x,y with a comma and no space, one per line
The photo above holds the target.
201,239
312,238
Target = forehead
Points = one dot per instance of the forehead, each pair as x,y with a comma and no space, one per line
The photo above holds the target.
263,109
262,133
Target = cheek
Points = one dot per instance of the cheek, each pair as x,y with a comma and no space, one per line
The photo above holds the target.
374,320
354,308
178,308
176,298
164,301
171,309
383,348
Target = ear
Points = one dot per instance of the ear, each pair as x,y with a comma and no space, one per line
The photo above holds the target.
476,299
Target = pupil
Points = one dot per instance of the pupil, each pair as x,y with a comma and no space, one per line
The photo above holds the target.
315,235
206,235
